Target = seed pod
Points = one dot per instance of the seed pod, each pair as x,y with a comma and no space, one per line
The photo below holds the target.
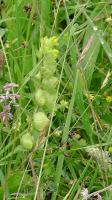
27,141
40,97
38,77
40,121
50,84
110,149
47,70
50,100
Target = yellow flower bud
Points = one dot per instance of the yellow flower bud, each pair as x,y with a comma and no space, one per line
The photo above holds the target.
54,40
109,99
54,53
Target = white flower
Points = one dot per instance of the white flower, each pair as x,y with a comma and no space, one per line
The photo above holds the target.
100,156
84,193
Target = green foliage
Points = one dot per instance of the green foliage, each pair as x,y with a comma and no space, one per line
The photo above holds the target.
58,136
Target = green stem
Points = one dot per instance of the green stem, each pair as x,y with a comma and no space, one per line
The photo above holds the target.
65,137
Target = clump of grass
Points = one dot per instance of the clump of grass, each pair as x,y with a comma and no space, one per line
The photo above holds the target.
58,140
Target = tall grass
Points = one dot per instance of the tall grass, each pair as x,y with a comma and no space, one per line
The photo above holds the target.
63,161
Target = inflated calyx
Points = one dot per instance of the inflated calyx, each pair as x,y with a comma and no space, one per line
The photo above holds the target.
27,141
40,121
45,93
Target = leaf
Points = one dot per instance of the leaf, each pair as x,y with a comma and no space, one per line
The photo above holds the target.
4,188
3,31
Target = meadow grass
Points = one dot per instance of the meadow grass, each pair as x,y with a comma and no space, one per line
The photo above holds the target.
72,158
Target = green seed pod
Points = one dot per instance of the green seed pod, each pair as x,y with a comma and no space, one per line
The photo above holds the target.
38,76
40,97
50,84
37,80
40,121
27,141
48,71
50,100
110,150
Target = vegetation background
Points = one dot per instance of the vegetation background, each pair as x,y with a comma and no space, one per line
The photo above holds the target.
74,159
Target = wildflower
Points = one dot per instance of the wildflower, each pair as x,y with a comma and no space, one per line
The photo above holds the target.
14,96
46,79
9,96
46,82
54,40
84,193
47,45
3,98
63,104
54,53
6,115
9,86
101,156
6,101
109,99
